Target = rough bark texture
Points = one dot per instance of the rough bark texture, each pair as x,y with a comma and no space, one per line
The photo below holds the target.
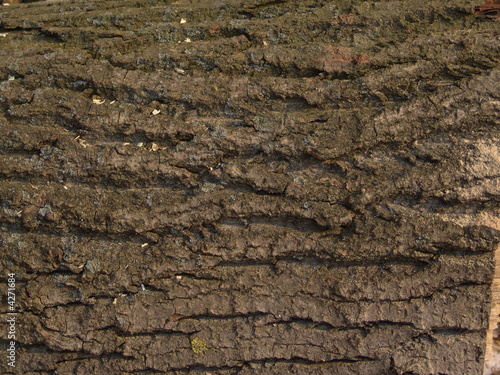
271,187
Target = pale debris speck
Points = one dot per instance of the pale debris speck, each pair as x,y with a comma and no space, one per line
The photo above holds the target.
143,287
187,40
264,42
180,71
139,144
96,99
154,147
144,244
3,35
178,277
155,112
82,142
11,78
183,20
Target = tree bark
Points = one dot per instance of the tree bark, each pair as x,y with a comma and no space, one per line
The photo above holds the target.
249,187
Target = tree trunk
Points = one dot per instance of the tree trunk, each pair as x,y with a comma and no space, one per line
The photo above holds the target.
248,187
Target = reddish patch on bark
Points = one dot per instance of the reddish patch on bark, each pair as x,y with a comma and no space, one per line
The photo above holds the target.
22,1
18,1
345,19
338,59
489,9
214,29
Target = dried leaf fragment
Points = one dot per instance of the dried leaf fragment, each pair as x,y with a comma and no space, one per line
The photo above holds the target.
489,9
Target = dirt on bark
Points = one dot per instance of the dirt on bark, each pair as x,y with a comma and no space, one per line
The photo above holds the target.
249,187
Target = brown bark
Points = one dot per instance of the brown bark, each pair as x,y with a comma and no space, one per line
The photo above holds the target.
281,187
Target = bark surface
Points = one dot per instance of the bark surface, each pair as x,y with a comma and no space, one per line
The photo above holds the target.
249,187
